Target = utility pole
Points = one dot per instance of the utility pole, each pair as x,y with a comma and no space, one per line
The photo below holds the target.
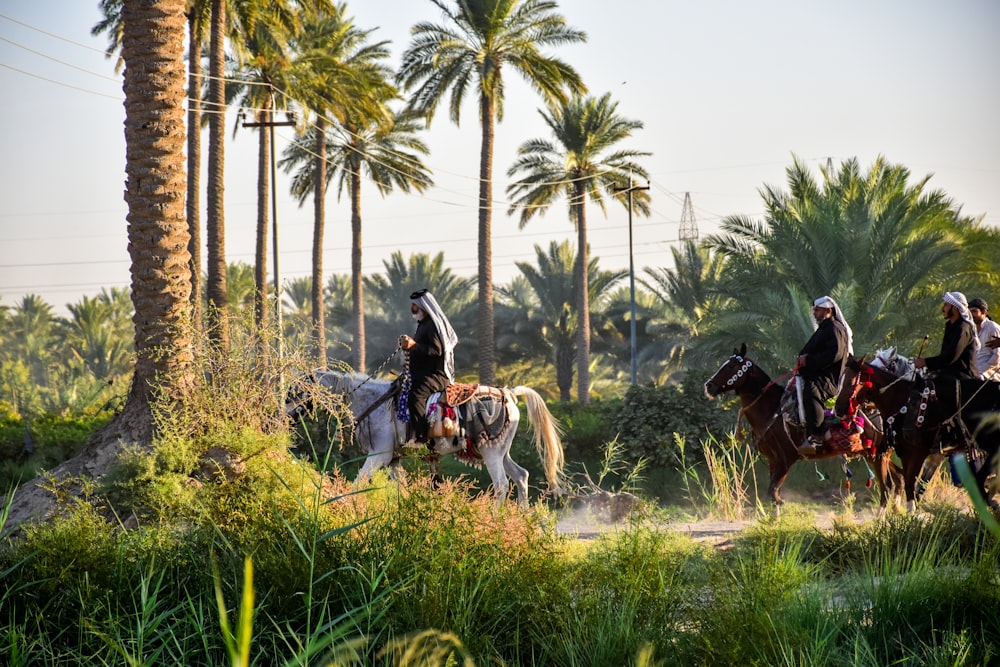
274,214
631,267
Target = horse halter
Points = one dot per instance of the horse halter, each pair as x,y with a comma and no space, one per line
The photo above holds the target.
743,370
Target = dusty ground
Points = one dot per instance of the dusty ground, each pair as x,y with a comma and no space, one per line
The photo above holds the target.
715,532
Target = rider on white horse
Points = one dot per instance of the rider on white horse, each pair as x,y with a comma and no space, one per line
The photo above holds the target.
430,363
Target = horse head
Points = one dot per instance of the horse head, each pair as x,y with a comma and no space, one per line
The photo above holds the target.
316,388
731,375
852,384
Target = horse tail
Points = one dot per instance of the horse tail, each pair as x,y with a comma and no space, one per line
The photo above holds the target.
547,435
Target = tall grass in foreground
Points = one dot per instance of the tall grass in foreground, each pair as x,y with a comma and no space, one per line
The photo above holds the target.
404,574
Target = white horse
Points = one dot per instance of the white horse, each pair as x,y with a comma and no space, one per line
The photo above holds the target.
380,433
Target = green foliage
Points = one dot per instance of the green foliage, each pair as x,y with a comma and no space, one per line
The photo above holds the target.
651,416
28,446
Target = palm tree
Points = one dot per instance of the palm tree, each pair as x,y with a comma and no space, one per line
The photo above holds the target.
389,155
870,240
545,319
155,190
264,83
340,78
215,222
482,38
198,15
29,336
581,166
686,299
98,335
153,49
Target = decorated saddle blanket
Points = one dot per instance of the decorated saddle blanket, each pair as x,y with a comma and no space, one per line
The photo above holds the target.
844,436
474,412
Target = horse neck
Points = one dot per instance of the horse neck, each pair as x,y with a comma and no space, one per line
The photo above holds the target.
892,396
760,398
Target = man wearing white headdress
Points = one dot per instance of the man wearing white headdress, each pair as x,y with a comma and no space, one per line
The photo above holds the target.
957,358
820,365
431,355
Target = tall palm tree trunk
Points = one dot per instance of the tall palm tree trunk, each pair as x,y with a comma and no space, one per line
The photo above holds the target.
194,161
215,222
264,149
487,354
156,192
582,298
357,282
319,227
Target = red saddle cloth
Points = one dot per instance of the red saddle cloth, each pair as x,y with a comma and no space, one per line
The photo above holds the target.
846,436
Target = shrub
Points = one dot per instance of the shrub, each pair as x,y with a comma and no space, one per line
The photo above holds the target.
651,415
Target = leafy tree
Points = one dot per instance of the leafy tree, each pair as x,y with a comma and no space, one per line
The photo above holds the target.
873,241
583,164
479,40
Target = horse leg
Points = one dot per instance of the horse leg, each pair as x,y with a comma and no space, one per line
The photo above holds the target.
928,469
495,466
373,462
520,477
912,464
880,464
778,472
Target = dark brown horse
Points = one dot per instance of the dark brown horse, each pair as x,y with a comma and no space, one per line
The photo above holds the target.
772,437
920,425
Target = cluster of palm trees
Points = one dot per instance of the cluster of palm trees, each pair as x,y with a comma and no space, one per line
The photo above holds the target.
358,120
65,365
883,246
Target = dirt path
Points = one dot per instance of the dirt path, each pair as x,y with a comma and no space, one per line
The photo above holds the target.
717,533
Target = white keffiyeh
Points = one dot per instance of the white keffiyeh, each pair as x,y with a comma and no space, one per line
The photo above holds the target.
427,303
957,299
827,302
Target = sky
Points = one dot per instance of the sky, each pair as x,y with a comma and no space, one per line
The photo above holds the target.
728,91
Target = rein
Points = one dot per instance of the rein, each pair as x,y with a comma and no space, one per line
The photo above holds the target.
391,391
747,365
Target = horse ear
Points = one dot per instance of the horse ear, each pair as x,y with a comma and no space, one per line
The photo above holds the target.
743,350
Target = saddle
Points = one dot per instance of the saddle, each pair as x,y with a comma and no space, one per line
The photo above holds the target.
843,436
471,411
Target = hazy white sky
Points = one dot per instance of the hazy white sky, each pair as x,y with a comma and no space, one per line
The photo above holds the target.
728,90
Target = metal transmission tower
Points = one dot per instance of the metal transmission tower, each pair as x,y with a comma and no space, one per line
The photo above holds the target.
689,228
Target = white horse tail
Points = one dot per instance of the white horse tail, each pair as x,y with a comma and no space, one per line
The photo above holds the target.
547,435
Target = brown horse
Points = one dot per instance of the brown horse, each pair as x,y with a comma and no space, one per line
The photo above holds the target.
772,437
920,429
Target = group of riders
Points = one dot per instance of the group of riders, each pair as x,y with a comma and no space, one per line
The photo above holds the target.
969,350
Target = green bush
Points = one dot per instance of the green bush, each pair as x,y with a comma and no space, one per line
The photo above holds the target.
651,415
41,443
